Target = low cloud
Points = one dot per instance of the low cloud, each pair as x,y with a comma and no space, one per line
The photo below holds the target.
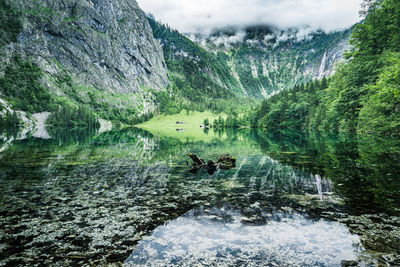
204,17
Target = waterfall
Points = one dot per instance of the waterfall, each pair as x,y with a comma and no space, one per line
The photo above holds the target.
322,67
319,185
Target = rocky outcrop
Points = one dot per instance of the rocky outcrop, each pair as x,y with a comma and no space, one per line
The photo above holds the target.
264,67
330,58
107,45
265,71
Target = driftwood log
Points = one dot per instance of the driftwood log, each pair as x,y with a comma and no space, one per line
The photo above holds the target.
224,162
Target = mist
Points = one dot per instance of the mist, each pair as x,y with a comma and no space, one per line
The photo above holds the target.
205,17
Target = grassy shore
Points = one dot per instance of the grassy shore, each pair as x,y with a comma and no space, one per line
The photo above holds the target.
189,131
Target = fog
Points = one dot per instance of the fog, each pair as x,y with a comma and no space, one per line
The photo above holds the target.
203,17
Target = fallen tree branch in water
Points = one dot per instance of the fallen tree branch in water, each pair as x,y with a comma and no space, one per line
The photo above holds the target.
225,162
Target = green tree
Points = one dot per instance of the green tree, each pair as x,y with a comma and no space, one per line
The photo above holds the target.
221,122
206,122
381,112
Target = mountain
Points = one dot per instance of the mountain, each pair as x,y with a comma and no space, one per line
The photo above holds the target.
211,69
265,60
256,62
266,70
88,59
100,54
196,71
363,95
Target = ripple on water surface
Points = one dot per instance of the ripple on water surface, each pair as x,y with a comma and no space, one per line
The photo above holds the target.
219,237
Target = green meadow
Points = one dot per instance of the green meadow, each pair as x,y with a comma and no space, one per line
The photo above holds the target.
189,131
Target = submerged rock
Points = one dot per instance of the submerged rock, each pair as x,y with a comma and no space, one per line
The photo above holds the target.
349,263
226,162
378,232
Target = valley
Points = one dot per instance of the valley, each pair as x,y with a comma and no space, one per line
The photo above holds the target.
102,106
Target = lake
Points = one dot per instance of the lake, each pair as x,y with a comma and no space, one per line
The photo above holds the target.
87,198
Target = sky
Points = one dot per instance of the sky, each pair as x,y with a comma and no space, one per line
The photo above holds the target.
204,16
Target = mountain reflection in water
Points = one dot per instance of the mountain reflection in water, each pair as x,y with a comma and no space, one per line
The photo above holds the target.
87,198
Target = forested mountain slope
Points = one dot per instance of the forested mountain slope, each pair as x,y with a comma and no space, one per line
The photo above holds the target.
260,65
196,74
364,94
264,68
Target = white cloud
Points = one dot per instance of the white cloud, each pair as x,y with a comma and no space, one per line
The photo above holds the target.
223,39
193,16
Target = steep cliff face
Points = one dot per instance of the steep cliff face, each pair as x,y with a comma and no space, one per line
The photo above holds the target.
265,61
104,51
106,44
263,69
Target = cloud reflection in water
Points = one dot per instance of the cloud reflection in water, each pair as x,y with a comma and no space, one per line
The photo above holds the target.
220,237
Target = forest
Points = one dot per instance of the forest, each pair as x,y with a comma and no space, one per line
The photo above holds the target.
363,95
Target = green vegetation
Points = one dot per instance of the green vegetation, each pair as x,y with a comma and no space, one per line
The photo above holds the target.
364,94
9,120
206,122
192,119
10,25
294,109
203,80
185,126
381,111
189,130
21,86
264,68
193,69
71,116
118,108
171,103
200,80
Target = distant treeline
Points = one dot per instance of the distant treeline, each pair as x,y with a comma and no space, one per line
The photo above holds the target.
66,115
231,121
9,119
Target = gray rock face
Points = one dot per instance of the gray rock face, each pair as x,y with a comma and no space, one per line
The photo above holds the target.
331,57
263,68
105,44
